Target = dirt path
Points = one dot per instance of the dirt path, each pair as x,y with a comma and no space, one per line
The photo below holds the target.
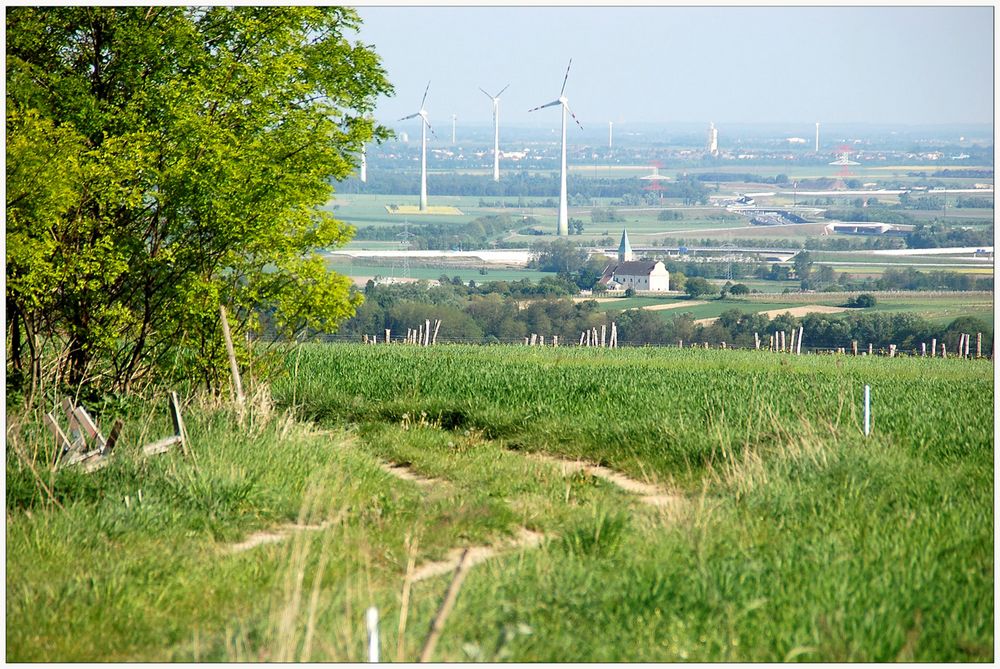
525,538
675,305
647,492
794,311
273,536
404,473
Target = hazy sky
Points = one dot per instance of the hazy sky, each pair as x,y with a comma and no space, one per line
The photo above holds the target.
906,65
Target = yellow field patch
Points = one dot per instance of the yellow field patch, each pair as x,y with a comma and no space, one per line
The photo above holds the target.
928,168
414,210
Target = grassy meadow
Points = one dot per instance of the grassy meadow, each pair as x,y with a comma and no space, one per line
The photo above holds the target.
791,536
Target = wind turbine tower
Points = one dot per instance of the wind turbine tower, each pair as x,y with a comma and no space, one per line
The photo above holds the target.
364,164
496,131
817,136
453,117
562,101
610,136
425,125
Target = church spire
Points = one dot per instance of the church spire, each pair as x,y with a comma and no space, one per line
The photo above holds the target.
625,249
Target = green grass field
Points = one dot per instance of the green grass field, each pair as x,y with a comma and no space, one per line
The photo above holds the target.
939,309
394,269
786,533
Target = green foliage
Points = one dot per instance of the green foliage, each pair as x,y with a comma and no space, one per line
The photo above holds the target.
696,286
561,256
862,301
164,160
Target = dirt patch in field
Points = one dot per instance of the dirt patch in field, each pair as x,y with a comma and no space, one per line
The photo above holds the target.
651,307
525,538
273,536
647,492
674,305
404,473
794,311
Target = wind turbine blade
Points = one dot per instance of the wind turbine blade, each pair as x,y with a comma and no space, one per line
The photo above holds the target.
550,104
574,117
502,90
485,93
423,99
563,89
407,118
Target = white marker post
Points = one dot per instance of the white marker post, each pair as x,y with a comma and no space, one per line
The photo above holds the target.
371,618
868,410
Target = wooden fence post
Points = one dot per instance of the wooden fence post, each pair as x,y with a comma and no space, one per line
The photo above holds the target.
756,341
869,348
979,345
437,326
233,368
923,349
798,346
933,347
854,347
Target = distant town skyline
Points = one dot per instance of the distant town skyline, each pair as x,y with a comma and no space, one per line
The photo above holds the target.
789,65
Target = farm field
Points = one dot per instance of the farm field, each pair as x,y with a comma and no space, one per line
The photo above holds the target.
743,526
936,308
394,269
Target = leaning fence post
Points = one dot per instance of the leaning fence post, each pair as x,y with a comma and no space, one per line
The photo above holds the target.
175,415
868,400
233,367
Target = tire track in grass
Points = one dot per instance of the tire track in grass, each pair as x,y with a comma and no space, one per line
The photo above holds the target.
525,538
274,536
647,493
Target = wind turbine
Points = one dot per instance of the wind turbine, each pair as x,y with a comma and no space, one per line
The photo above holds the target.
425,125
496,131
563,228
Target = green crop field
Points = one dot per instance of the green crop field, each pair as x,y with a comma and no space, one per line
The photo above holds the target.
425,270
758,522
938,309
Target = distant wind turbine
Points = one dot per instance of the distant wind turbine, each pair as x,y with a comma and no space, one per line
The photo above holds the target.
496,130
425,125
563,228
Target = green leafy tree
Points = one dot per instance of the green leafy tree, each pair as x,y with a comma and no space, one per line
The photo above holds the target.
162,161
803,264
697,286
561,256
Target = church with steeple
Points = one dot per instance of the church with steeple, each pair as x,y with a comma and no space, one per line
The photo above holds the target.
639,275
